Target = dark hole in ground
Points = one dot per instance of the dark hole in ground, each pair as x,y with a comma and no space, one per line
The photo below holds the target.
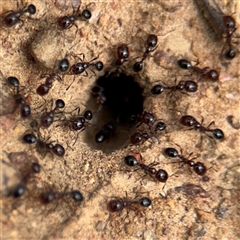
116,101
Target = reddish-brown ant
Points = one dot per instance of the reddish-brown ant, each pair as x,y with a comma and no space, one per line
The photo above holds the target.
205,72
43,89
198,167
190,121
13,18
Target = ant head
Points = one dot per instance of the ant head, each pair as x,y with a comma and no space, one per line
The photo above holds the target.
76,196
13,82
63,65
31,9
230,24
59,103
230,54
99,65
86,14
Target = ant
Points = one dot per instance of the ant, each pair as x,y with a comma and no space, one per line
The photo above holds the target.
118,204
28,165
78,122
160,174
104,133
229,28
149,119
43,146
16,191
13,18
50,196
138,137
98,93
67,22
80,67
205,72
188,86
47,118
190,121
25,110
43,89
151,45
122,55
198,167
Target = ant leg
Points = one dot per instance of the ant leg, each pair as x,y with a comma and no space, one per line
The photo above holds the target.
71,83
213,122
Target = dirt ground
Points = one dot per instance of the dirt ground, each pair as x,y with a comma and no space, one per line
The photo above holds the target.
188,207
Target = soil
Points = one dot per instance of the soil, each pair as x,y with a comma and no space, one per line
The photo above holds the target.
188,206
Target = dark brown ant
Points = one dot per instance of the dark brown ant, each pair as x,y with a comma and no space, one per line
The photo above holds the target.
223,25
188,86
43,89
190,121
137,138
159,175
51,196
13,17
25,110
104,133
205,72
98,93
80,67
198,167
43,146
47,118
118,204
122,54
16,191
67,22
151,45
78,122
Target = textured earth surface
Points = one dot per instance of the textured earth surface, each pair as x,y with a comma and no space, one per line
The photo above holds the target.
187,207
